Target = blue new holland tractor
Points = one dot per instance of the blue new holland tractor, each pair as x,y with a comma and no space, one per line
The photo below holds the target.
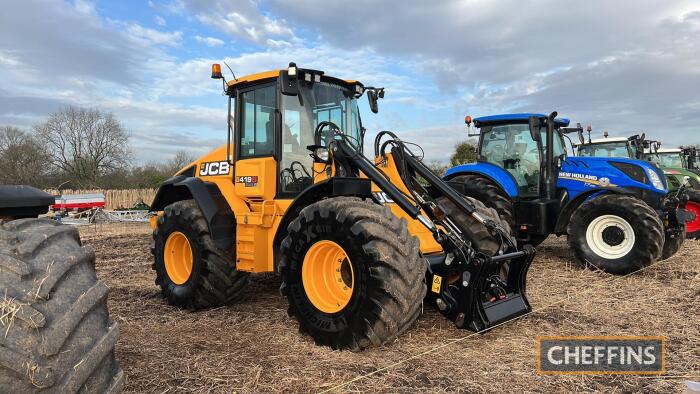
618,213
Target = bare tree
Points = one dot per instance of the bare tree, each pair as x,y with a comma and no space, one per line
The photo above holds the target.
85,144
180,160
22,158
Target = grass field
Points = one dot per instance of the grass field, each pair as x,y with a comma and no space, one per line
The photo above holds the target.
253,346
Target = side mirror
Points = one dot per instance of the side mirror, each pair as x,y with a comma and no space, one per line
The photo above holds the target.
534,123
289,81
372,99
580,136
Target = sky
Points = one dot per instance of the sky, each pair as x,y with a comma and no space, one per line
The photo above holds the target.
623,66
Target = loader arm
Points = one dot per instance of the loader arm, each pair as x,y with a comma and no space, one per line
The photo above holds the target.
465,298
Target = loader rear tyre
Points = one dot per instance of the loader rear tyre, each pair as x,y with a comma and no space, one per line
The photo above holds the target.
615,233
190,270
692,209
57,336
352,273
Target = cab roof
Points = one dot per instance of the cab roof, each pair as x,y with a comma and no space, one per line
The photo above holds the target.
517,118
604,140
270,75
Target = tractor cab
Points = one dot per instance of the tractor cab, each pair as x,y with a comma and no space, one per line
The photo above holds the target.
665,157
606,147
512,143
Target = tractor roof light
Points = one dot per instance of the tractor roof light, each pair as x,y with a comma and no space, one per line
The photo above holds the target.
468,120
216,71
292,70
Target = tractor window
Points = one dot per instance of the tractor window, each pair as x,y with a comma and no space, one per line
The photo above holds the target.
258,122
613,149
321,101
512,148
668,159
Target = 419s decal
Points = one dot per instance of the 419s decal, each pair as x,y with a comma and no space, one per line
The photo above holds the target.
249,181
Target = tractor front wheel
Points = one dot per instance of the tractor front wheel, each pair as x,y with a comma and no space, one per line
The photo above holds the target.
352,273
615,233
692,208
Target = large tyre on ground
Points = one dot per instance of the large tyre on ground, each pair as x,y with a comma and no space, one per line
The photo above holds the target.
482,240
493,196
57,336
692,208
615,233
190,270
673,245
352,273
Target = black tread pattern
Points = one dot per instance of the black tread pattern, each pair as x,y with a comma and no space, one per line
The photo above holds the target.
391,255
648,229
490,194
694,196
57,335
218,282
482,240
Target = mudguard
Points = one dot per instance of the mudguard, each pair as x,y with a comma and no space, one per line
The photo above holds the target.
216,211
331,187
496,174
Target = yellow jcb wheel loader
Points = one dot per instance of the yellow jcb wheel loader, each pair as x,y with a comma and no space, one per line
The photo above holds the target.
358,243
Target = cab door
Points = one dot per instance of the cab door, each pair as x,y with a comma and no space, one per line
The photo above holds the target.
255,179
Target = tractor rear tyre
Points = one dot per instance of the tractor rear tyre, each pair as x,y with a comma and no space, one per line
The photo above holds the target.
190,270
56,333
482,240
615,233
692,209
484,190
352,273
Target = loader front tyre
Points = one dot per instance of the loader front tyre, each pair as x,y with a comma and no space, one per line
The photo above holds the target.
615,233
352,273
190,270
57,336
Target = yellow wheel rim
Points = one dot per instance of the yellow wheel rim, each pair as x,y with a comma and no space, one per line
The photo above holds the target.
178,257
327,276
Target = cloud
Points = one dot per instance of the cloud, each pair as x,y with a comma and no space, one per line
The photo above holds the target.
152,36
160,21
209,41
242,19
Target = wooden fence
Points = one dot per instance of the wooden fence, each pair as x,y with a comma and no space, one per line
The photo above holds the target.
115,199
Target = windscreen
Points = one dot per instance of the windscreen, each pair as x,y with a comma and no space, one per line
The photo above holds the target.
317,102
668,159
613,149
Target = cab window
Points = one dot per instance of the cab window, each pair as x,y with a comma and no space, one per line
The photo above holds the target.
257,137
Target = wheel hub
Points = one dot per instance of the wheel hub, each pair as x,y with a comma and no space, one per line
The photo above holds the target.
610,237
613,235
327,276
692,211
178,257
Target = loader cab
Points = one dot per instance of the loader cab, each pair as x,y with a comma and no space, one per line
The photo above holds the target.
511,142
271,127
